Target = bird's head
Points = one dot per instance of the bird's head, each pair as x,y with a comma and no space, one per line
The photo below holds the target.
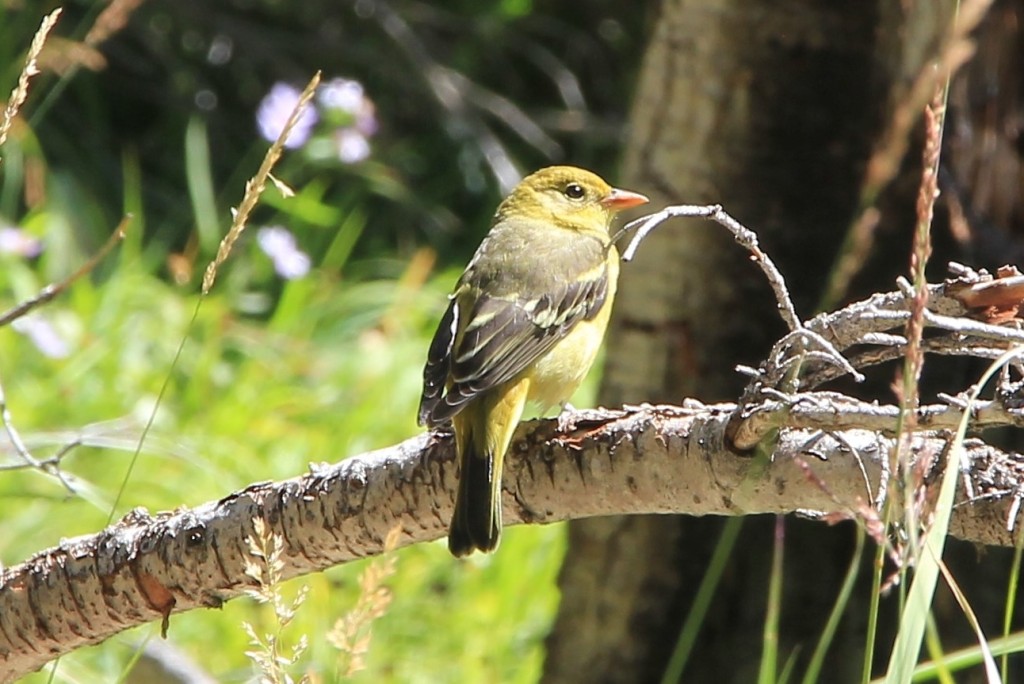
568,197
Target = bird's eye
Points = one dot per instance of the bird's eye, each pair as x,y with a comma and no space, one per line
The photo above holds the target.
574,191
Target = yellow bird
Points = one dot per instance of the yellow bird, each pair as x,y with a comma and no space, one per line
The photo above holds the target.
524,324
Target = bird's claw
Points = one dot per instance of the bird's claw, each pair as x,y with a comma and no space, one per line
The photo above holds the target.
566,418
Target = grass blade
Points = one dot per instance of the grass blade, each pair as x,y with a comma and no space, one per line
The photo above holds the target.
919,599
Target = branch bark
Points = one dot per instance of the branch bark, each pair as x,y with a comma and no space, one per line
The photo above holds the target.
650,459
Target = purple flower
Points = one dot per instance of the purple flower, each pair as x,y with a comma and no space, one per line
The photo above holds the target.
279,244
43,335
343,94
352,145
16,241
273,113
349,97
366,121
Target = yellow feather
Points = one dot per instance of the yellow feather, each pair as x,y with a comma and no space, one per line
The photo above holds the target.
556,375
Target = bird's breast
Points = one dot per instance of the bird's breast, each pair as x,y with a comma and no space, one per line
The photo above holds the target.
557,375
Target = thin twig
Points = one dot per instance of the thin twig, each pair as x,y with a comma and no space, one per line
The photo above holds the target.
50,466
805,336
54,289
951,345
831,411
744,236
45,463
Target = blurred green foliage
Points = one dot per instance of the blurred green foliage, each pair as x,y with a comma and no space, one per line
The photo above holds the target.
459,91
159,120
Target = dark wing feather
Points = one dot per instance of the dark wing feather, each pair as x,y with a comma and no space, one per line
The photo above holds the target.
439,361
502,337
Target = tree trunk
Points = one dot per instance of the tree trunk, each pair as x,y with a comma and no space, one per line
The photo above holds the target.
772,110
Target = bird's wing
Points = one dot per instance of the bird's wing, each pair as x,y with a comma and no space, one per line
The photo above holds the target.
435,373
500,337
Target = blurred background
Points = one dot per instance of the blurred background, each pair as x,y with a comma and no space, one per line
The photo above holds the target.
311,346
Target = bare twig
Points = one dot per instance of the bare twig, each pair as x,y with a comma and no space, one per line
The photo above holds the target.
831,411
877,321
890,348
781,359
744,236
54,289
50,466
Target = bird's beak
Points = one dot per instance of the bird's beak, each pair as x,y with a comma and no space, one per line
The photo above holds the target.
617,200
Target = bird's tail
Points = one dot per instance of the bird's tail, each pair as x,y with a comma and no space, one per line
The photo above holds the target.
476,522
483,431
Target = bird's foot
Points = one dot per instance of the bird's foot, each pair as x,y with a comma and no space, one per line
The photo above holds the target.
567,418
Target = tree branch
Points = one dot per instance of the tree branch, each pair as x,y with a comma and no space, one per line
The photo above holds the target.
829,458
636,460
